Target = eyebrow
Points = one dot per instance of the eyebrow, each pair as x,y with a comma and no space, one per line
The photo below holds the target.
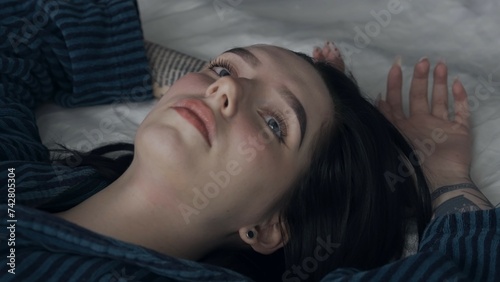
284,92
297,108
246,55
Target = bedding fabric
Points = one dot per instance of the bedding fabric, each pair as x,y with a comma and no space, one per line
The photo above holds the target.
92,52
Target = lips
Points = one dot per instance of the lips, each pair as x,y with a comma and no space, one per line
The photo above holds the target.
199,115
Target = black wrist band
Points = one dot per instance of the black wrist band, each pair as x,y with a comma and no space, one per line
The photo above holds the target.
441,190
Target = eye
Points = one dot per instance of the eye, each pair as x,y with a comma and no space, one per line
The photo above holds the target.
277,124
220,67
274,125
221,71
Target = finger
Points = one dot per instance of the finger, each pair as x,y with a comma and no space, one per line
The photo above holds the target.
394,88
326,50
440,92
462,113
317,54
335,57
418,89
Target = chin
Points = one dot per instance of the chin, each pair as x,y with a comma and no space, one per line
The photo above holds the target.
161,147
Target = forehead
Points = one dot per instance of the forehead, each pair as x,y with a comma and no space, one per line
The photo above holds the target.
282,67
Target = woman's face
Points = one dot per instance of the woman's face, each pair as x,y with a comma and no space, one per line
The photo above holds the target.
229,141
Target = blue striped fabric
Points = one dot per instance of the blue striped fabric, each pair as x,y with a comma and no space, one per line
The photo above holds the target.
56,250
458,247
80,53
75,53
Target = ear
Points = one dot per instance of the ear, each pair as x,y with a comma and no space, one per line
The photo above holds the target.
267,238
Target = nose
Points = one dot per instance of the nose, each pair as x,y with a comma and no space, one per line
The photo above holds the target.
227,93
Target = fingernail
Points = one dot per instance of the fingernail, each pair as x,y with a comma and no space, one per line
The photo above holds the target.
397,61
424,58
336,50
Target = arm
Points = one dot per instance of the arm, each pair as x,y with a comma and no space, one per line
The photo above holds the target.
461,242
74,60
452,190
458,247
462,197
168,65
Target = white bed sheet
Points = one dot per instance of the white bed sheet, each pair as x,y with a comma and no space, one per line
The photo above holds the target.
464,33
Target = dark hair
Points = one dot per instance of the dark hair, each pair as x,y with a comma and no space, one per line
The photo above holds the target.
352,207
354,197
110,160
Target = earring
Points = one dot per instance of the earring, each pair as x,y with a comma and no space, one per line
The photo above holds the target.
250,234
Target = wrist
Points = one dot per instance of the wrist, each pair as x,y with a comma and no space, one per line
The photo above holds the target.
441,181
446,192
459,197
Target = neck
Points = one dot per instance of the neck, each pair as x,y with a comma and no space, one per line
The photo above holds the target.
139,210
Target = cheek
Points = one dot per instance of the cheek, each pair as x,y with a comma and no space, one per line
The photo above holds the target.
190,84
260,156
262,182
249,139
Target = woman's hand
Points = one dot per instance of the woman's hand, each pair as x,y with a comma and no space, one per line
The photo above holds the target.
443,144
329,53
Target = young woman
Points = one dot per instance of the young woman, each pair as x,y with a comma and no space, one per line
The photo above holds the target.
264,149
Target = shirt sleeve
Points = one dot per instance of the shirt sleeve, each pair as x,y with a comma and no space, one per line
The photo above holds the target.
74,53
78,53
457,247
